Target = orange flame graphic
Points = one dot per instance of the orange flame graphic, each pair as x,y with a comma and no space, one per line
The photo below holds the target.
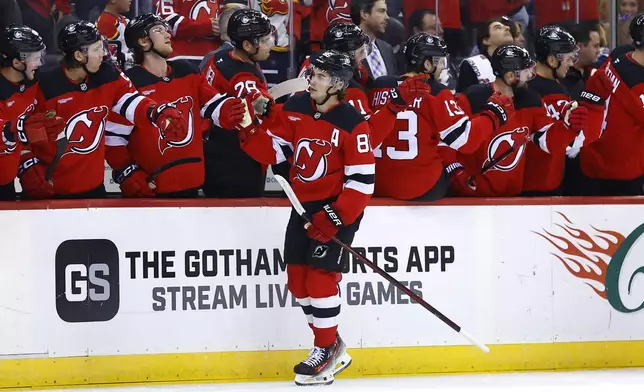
583,256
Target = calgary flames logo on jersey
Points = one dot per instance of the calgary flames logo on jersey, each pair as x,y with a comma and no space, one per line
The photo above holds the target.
512,142
184,105
209,7
274,7
338,11
310,159
84,130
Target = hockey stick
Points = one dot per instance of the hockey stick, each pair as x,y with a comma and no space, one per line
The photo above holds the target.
61,146
170,165
300,210
288,87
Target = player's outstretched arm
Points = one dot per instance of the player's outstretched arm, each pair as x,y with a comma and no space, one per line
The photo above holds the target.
224,110
388,101
264,135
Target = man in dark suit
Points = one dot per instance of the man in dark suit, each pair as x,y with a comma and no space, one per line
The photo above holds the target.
371,16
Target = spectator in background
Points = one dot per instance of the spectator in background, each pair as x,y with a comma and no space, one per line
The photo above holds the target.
10,12
111,24
41,16
477,69
587,37
224,12
426,21
449,13
482,10
371,16
564,11
628,9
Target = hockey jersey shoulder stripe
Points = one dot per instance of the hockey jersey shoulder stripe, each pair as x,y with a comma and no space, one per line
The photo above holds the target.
631,72
182,68
525,98
229,67
140,77
543,86
477,95
344,116
386,82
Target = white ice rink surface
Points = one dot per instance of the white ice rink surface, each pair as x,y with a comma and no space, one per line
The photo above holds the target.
626,380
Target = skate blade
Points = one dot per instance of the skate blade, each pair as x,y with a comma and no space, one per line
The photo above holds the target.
343,362
325,378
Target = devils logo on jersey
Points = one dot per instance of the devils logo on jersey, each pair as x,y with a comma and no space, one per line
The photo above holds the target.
184,105
338,11
310,159
274,7
513,142
207,6
84,130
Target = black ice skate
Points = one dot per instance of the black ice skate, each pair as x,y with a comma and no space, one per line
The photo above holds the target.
342,359
323,364
317,369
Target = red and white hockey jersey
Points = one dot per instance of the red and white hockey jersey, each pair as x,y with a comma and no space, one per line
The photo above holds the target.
618,154
408,163
16,100
198,103
85,106
191,26
332,155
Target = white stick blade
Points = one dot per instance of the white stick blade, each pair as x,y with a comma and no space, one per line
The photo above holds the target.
474,341
288,87
290,194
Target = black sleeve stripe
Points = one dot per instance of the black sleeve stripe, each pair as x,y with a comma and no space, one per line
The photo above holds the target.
456,133
127,104
210,109
363,178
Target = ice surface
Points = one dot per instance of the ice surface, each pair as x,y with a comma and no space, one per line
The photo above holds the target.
625,380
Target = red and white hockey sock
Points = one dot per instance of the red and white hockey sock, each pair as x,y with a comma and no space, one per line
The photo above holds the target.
325,304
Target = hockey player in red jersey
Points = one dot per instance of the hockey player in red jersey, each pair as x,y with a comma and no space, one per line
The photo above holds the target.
556,51
83,91
408,164
348,38
614,164
333,175
194,27
21,54
230,172
181,84
503,157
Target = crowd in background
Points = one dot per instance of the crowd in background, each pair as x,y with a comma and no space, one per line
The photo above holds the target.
469,28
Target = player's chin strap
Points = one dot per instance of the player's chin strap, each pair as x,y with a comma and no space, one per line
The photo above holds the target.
22,71
328,95
153,50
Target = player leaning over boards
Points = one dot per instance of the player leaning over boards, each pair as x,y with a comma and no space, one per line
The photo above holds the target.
180,84
408,164
21,54
83,91
333,175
